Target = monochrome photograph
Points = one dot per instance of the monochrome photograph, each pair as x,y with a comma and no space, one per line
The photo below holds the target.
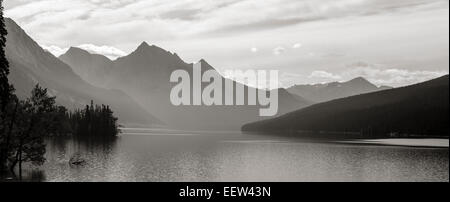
215,91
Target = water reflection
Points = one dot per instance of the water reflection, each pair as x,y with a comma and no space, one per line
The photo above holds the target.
28,175
235,158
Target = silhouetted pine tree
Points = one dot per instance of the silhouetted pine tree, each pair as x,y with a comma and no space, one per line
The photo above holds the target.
32,120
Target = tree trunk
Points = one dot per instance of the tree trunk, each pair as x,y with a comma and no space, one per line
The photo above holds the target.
15,161
2,158
2,144
18,158
3,155
8,136
20,165
23,137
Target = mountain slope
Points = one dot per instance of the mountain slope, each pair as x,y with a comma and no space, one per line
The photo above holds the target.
145,75
30,64
420,109
331,91
93,68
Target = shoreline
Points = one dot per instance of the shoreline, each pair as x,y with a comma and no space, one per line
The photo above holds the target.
416,142
436,143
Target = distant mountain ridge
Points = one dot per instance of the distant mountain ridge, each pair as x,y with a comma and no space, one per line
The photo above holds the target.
87,61
330,91
421,109
144,74
30,64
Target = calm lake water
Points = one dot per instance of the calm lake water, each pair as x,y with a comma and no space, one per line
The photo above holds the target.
155,156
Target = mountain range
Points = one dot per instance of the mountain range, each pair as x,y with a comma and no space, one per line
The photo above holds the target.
421,109
330,91
93,68
30,64
144,75
137,86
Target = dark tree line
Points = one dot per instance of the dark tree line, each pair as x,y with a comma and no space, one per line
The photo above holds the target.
5,88
24,124
93,121
420,110
28,122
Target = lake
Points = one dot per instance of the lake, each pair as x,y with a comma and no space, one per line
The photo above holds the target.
168,156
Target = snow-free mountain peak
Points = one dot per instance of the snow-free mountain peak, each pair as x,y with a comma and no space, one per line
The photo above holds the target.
360,81
76,50
144,47
153,55
144,44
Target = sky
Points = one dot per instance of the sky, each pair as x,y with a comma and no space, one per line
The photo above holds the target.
393,43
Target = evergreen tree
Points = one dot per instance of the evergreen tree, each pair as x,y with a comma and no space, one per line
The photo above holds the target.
30,121
5,90
4,65
36,120
94,122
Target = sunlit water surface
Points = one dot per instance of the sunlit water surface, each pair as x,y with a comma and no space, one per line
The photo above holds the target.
175,156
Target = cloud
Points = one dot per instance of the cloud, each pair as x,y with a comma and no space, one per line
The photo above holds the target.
55,50
180,17
375,73
336,31
254,50
380,75
108,51
279,50
324,75
297,45
288,79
